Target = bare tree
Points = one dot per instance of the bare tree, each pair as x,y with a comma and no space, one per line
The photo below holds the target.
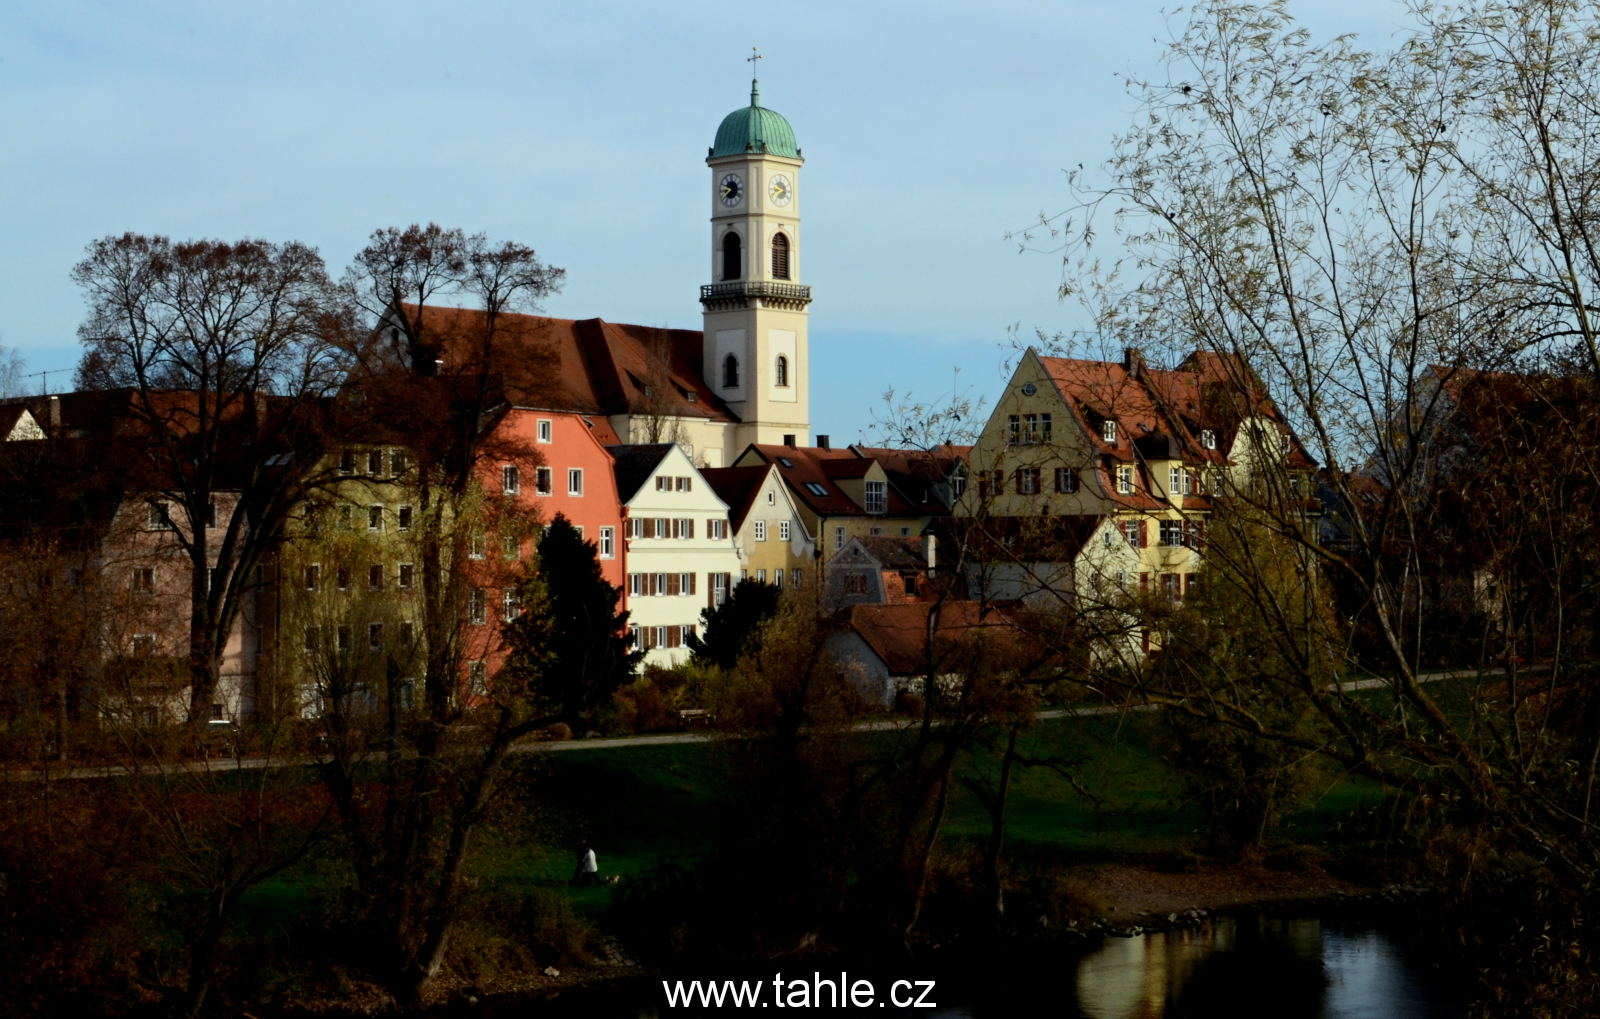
224,351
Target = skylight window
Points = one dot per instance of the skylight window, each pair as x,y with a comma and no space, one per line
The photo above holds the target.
785,461
815,489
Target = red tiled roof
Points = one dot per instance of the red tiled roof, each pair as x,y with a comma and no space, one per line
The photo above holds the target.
803,465
586,365
898,633
736,486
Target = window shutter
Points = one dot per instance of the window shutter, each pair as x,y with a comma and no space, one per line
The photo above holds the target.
690,522
672,583
780,257
691,577
1144,534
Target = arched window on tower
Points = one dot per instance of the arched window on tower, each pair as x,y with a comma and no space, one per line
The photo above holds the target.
781,375
732,257
780,257
730,372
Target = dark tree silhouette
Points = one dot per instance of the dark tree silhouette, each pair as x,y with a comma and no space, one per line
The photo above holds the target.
730,625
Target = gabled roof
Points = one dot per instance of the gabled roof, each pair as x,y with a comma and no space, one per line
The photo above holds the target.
634,465
17,424
916,472
738,487
895,553
586,365
805,466
898,633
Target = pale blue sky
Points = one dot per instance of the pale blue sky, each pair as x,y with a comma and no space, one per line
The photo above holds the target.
930,130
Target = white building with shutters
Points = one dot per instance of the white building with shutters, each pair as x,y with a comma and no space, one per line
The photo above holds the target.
680,552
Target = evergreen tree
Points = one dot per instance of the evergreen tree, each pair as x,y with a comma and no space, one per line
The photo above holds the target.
730,626
591,652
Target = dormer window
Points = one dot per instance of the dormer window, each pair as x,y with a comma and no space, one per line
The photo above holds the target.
1208,438
730,372
1108,432
1288,443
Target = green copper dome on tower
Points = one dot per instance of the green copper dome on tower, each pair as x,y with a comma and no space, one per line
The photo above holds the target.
754,129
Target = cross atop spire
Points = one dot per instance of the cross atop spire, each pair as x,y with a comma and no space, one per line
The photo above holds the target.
755,89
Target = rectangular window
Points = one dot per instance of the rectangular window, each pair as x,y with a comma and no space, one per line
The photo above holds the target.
375,577
1188,482
1066,480
1013,429
375,636
1108,432
838,539
663,527
403,518
1124,480
877,497
683,528
478,679
875,532
479,547
663,483
1027,481
1044,424
346,518
397,462
1208,438
510,547
211,515
342,576
783,530
1174,481
159,516
543,480
777,578
661,585
761,576
510,605
1169,586
608,543
1171,533
375,461
345,639
144,580
685,484
374,518
761,530
313,575
575,481
313,637
794,578
546,429
408,694
660,636
717,529
404,578
719,589
1133,532
636,585
511,479
347,462
477,606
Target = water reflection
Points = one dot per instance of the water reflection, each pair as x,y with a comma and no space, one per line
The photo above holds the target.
1285,968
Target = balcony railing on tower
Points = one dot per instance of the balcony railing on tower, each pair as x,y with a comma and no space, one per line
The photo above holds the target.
739,293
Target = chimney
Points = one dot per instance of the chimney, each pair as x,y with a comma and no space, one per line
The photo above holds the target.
788,440
822,440
55,415
1132,360
930,545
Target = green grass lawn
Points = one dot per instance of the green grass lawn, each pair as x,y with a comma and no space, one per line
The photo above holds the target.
643,805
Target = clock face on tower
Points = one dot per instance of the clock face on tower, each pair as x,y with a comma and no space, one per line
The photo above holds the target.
781,190
731,190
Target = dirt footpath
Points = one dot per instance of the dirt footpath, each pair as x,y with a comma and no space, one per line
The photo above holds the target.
1129,891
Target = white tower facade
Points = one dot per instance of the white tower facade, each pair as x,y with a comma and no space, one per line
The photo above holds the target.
756,351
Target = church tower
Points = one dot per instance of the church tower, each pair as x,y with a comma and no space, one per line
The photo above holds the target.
755,311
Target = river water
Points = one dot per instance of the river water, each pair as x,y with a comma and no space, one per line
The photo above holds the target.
1240,967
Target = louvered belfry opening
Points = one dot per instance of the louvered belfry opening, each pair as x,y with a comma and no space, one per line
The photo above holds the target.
780,257
732,256
730,372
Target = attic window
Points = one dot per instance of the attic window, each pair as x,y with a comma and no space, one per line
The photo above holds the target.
815,489
1208,438
1108,431
690,397
785,461
1288,443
